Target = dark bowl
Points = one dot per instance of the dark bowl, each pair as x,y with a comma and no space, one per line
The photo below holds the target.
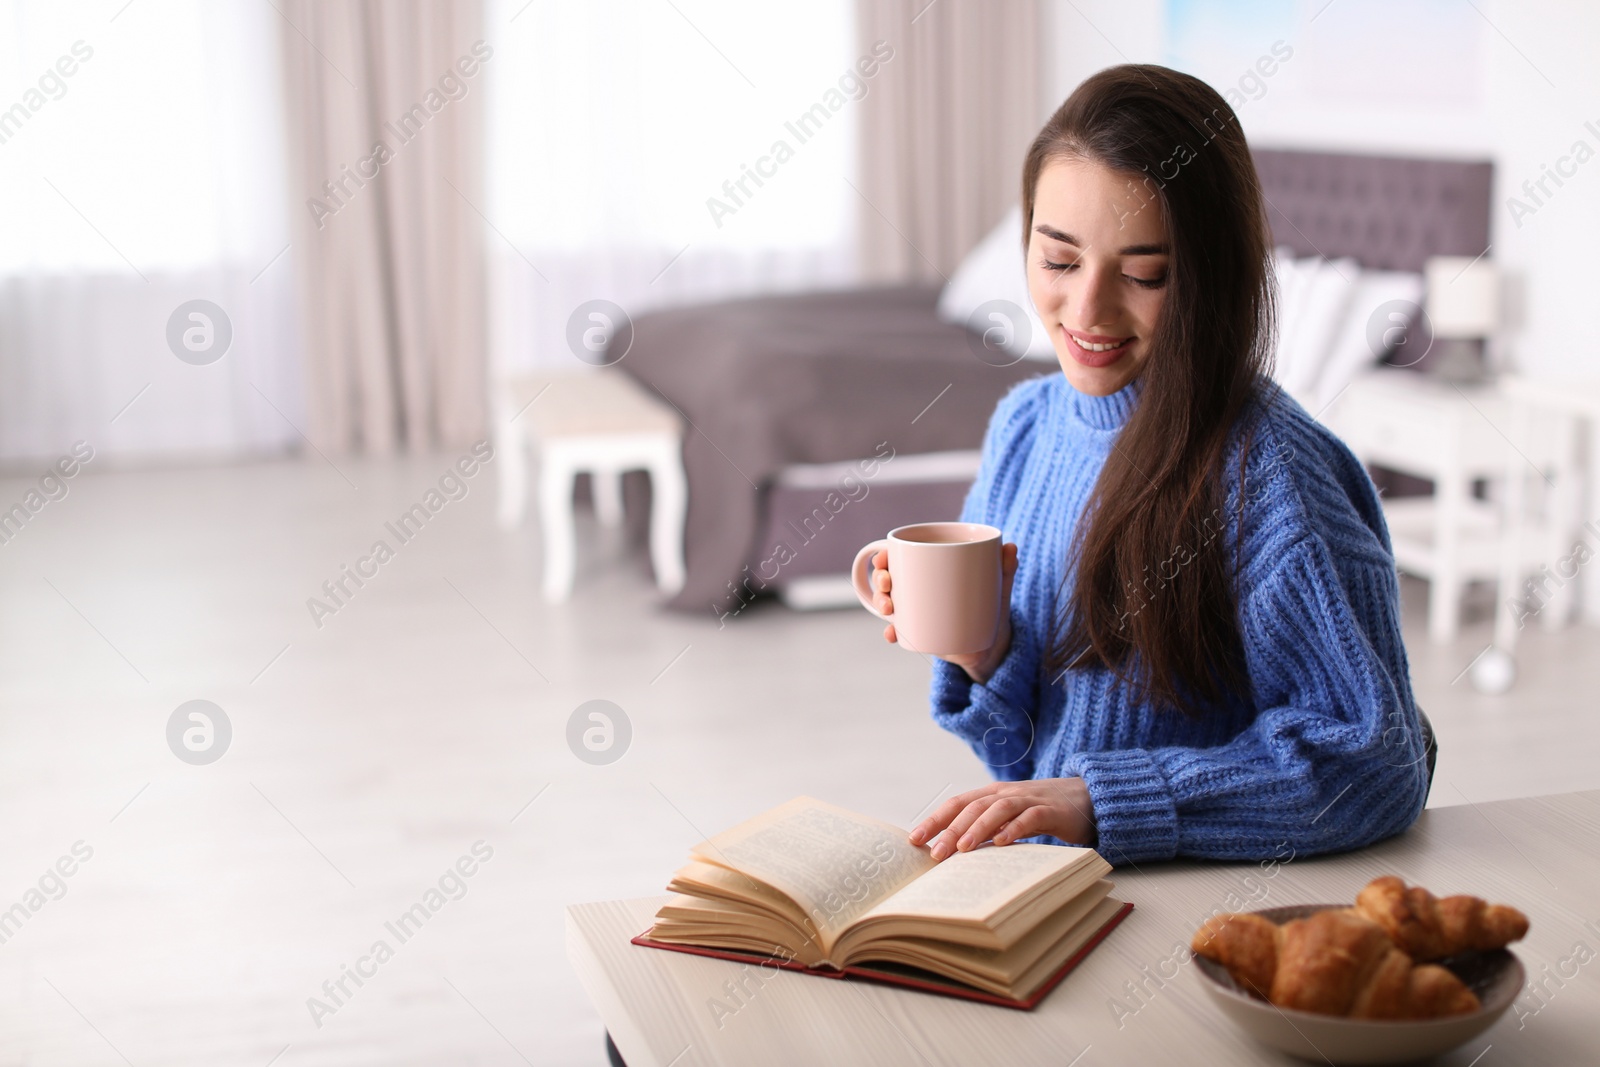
1496,977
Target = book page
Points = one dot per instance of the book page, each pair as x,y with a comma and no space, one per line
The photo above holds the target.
977,884
689,920
834,863
723,916
723,883
969,964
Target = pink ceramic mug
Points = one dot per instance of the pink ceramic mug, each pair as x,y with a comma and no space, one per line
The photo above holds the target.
946,586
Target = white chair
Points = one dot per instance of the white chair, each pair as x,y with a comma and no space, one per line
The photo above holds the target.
602,423
1455,436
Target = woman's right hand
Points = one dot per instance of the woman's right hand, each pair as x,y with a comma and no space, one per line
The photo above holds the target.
978,665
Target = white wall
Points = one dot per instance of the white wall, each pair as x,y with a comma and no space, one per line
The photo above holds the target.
1510,82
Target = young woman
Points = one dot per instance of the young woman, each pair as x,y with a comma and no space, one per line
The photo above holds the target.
1200,652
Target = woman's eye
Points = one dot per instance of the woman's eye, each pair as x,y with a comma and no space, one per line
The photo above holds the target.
1143,283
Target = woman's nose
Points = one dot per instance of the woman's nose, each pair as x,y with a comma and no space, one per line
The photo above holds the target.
1096,300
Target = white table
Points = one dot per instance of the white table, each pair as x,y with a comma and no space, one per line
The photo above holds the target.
1135,1000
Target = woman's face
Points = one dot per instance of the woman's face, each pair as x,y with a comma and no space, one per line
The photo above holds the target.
1097,271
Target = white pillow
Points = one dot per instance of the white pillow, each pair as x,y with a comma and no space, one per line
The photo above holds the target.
1314,298
1352,349
1294,278
995,271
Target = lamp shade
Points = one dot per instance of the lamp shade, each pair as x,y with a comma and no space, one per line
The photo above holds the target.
1463,296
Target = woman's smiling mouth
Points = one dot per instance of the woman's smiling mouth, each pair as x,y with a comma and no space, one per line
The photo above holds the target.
1095,349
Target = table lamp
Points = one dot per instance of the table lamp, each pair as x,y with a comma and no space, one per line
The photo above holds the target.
1463,309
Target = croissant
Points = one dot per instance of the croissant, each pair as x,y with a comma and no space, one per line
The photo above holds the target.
1426,927
1333,962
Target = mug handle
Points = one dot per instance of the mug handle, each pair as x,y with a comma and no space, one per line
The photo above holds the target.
858,575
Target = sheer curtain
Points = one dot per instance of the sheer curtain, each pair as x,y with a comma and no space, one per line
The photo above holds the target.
622,138
141,168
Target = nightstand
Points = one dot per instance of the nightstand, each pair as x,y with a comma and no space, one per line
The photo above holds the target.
1456,436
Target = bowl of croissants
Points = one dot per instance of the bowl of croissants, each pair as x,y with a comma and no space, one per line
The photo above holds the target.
1401,976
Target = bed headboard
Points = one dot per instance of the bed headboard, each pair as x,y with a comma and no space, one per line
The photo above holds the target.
1388,213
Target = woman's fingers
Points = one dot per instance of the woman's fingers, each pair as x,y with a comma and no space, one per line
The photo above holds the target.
1004,812
945,844
990,822
882,583
888,633
1026,824
945,812
964,822
932,824
972,807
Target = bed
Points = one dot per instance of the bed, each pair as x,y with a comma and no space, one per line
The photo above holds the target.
819,421
804,411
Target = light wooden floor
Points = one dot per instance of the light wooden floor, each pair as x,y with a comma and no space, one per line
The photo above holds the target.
369,755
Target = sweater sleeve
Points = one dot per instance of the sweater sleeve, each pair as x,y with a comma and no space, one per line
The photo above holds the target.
1333,759
997,717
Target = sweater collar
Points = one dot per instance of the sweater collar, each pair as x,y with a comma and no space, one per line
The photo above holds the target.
1102,412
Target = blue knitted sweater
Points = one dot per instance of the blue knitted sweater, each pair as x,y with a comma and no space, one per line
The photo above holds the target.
1324,753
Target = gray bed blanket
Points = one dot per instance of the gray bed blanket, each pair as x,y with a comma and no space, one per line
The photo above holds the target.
808,378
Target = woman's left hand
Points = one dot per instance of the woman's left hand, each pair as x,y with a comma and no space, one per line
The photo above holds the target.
1007,812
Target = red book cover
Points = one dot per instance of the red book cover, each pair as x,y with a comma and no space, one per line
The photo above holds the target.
905,977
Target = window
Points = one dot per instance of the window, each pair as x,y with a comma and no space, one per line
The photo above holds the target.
139,138
617,125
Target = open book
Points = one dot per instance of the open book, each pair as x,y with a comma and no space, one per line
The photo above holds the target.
826,890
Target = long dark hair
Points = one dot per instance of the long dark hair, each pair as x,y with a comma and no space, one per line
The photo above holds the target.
1154,596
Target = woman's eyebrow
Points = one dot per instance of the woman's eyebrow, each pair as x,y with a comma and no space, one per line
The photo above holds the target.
1131,250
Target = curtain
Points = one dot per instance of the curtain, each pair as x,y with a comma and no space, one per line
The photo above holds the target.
942,138
385,122
141,165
